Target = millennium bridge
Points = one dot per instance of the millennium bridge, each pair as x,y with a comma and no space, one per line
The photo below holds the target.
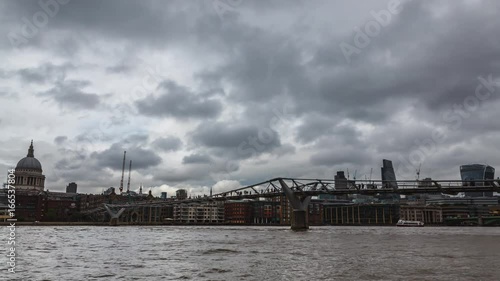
300,191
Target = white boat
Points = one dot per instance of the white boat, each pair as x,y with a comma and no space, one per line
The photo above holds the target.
409,223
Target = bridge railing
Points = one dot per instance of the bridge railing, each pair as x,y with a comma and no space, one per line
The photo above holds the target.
327,186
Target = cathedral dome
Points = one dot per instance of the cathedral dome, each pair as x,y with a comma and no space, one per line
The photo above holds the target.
29,162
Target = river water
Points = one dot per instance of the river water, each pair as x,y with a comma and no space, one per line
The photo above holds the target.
254,253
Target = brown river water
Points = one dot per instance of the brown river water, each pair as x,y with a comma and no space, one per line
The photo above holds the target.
253,253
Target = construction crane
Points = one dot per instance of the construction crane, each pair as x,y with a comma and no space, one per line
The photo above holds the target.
129,169
123,172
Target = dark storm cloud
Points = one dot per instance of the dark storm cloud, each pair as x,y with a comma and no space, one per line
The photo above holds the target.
179,102
70,94
113,157
392,93
144,22
406,61
265,67
170,143
196,159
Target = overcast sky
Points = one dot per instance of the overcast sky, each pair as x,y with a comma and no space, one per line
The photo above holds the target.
228,92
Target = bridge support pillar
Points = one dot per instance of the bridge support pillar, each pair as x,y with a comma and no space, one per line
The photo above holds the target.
299,220
114,216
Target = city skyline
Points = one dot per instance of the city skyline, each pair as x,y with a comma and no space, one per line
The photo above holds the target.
200,95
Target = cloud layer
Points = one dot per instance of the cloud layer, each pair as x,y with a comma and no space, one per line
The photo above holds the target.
200,96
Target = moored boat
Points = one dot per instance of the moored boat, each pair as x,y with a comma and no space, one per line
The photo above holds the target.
409,223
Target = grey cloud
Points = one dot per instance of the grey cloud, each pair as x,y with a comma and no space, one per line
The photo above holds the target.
60,139
285,149
73,160
70,94
407,62
228,135
119,68
45,73
340,156
145,22
113,157
314,126
264,68
194,174
234,143
125,66
196,159
136,139
170,143
341,114
223,135
180,102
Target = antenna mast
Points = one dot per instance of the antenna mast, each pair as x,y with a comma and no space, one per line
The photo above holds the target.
129,169
123,172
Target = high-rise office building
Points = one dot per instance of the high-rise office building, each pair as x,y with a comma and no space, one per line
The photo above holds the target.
388,175
181,194
472,175
340,180
71,188
389,180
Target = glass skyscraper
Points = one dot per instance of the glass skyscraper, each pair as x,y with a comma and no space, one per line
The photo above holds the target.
472,172
389,180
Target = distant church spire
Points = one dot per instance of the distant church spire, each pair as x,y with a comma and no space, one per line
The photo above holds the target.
31,151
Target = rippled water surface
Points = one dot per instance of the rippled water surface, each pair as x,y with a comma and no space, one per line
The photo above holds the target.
255,253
